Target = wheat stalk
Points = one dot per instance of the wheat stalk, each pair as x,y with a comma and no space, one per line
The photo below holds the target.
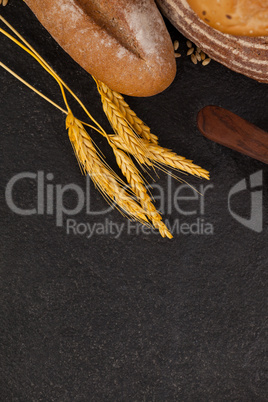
110,185
127,113
29,49
103,177
132,137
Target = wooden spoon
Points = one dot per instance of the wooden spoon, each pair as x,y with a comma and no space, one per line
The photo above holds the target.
230,130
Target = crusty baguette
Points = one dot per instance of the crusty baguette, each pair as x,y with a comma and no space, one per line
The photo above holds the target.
243,54
123,43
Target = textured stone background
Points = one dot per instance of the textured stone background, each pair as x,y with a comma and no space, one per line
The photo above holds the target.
138,318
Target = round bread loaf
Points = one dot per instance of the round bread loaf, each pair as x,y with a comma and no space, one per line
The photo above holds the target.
243,54
123,43
235,17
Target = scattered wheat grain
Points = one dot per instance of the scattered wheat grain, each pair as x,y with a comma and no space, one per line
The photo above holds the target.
189,44
203,56
206,61
190,51
193,58
198,56
176,45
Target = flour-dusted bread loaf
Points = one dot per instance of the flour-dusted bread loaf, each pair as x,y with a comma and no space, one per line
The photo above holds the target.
123,43
245,54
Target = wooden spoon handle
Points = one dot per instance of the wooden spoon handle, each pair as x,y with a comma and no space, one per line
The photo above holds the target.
230,130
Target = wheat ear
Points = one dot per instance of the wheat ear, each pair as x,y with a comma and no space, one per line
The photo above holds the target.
133,143
129,115
103,177
136,182
163,156
145,151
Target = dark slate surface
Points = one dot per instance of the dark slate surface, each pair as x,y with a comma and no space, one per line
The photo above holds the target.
138,317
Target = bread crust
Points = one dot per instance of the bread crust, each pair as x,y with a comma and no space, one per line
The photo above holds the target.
243,54
123,43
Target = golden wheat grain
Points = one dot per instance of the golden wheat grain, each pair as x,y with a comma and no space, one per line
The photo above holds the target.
206,61
3,2
131,118
176,45
189,44
203,56
193,58
136,182
103,177
198,56
190,51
